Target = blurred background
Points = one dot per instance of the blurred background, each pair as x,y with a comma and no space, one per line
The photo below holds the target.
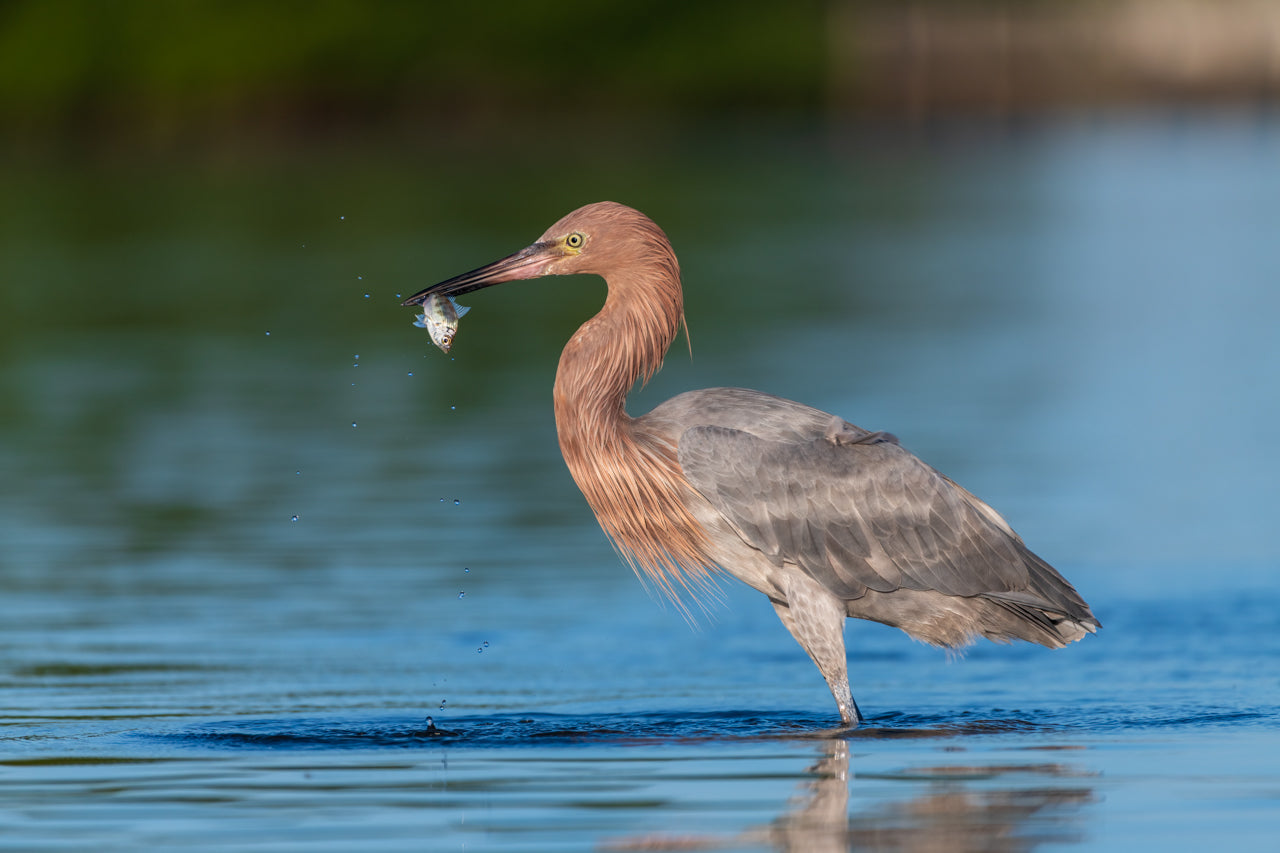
1036,240
246,505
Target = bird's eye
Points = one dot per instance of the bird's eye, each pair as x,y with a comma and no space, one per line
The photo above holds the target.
574,240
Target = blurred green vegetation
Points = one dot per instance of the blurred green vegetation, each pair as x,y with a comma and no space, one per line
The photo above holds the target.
163,70
138,143
203,74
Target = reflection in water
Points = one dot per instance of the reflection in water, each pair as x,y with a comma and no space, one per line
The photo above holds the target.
956,817
957,813
818,820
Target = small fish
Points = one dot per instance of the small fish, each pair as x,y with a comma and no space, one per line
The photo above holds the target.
440,317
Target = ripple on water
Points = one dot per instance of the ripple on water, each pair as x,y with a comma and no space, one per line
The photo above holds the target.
515,730
543,730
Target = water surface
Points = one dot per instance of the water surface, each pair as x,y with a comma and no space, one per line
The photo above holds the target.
257,529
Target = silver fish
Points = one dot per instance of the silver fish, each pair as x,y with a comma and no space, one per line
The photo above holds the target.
440,317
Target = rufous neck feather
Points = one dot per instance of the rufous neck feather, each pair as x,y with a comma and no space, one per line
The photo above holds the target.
631,479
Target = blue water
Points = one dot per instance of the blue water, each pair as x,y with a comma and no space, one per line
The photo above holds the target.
442,652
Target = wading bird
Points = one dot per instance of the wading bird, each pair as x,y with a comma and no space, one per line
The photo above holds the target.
825,518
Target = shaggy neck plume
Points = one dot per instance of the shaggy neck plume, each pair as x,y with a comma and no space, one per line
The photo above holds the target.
633,484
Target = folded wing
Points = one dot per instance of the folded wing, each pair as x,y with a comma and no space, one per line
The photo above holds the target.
857,512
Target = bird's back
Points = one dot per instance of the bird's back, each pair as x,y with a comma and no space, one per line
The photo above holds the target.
763,415
897,541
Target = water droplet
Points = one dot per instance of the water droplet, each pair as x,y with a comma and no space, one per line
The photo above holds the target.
357,356
442,701
453,408
353,423
462,594
295,518
268,334
299,473
442,500
342,217
397,296
456,502
486,644
410,372
480,650
366,296
468,571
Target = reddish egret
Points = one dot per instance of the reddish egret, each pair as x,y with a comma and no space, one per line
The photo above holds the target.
825,518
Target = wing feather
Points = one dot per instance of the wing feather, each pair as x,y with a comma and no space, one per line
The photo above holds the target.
865,514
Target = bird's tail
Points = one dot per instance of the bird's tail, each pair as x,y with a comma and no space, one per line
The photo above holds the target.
1049,612
1016,617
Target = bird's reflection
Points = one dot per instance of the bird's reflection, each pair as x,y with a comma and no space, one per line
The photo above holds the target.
818,820
963,808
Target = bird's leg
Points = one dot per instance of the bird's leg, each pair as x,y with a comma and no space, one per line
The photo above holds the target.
816,619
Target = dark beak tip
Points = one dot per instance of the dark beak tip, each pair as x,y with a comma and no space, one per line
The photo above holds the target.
521,265
419,298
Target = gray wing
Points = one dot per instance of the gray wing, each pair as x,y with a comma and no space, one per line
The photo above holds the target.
856,512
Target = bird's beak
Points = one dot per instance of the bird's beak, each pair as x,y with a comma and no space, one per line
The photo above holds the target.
529,262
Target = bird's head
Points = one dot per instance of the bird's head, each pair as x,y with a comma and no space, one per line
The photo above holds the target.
598,238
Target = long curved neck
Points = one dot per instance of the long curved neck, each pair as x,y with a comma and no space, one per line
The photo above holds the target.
630,478
626,341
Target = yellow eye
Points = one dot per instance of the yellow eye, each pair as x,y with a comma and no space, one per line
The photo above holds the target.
575,240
